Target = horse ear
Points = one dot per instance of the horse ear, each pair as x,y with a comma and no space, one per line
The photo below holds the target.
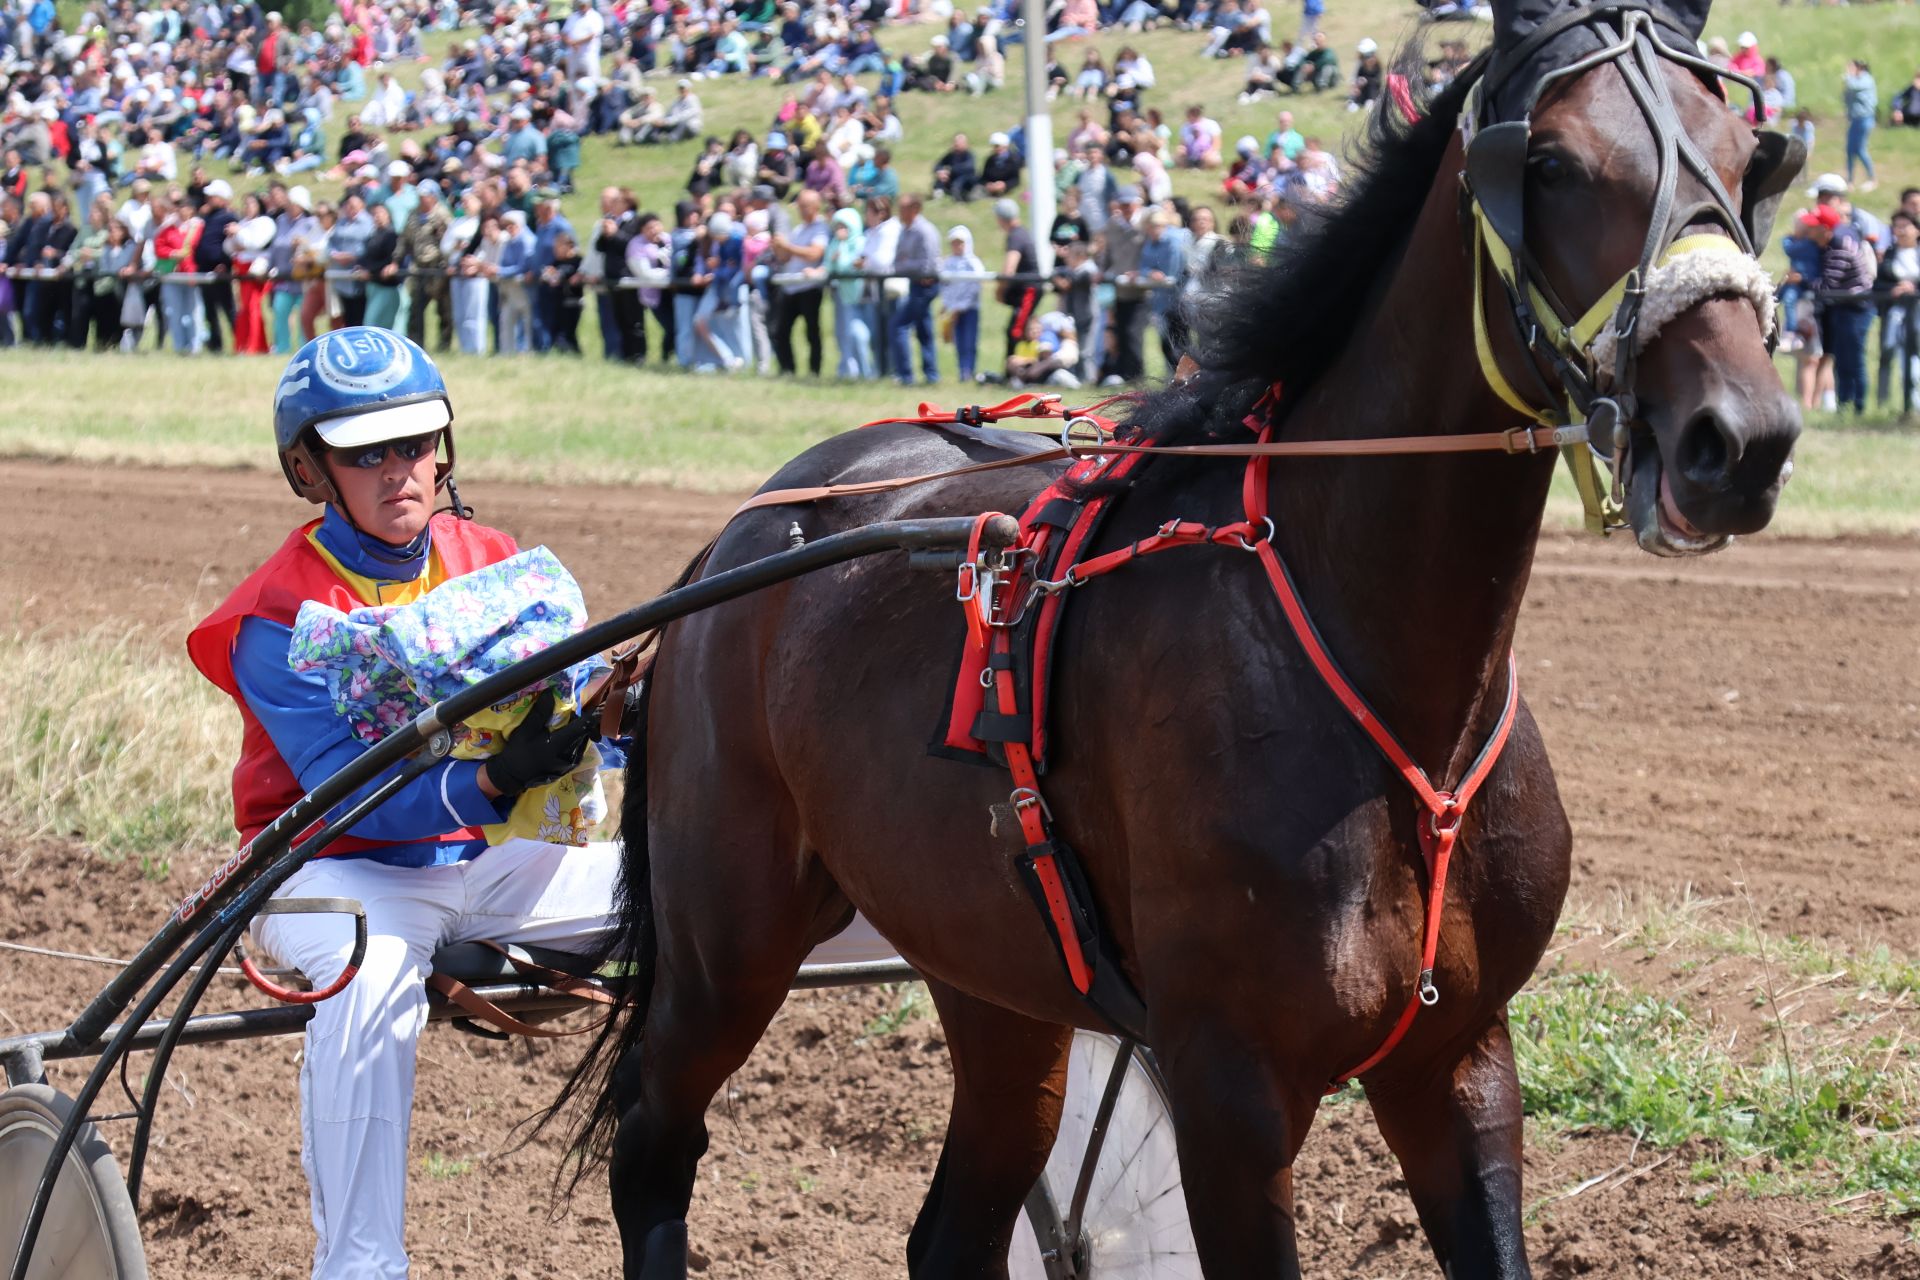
1690,15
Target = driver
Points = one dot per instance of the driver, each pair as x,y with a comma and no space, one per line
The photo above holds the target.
364,426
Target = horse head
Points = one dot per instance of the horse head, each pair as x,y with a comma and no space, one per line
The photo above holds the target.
1621,196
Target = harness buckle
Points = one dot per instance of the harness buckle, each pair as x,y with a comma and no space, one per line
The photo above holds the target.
1511,434
1429,994
1026,798
970,415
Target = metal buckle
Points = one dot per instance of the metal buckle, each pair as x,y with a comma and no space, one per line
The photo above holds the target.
1027,797
1508,436
1247,545
1067,439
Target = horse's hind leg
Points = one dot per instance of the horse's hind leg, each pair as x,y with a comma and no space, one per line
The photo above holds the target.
1456,1127
1009,1080
733,931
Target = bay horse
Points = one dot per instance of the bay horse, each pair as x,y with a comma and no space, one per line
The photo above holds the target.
1258,864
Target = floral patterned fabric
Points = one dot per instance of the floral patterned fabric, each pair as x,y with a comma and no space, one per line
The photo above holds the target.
385,664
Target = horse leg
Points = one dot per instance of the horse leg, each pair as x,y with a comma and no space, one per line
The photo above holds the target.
1238,1128
725,964
1456,1127
1009,1081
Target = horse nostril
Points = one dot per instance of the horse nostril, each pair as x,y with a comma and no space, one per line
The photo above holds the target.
1708,449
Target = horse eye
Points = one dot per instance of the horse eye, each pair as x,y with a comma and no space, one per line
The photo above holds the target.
1549,169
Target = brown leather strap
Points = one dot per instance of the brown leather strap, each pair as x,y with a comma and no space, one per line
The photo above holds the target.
1518,440
568,983
608,695
481,1009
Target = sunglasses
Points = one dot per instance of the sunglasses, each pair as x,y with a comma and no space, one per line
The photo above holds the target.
367,457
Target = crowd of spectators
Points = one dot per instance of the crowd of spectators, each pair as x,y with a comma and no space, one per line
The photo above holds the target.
125,139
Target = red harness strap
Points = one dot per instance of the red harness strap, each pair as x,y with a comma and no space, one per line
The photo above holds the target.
996,592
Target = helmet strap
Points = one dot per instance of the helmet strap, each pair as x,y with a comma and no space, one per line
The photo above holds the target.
460,510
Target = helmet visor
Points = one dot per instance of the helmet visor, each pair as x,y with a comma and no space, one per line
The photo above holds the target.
377,426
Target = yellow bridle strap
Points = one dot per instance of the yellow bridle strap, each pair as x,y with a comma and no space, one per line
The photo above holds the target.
1483,342
1573,342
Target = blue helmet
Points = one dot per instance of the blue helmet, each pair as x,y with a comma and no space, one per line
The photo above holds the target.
355,386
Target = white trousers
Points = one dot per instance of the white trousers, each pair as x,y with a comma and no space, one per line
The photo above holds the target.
356,1078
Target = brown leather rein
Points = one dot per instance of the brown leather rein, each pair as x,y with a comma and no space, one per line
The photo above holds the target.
1534,439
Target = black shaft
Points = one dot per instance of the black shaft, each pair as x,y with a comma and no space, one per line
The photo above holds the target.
260,867
907,535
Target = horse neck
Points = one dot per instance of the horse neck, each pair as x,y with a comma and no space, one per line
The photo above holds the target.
1413,568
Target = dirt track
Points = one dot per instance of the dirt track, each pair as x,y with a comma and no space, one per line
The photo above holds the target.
1752,717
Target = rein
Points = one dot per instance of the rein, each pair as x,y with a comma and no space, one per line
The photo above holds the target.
1029,405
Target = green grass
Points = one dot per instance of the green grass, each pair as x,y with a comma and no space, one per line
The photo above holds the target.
585,422
445,1168
1833,1120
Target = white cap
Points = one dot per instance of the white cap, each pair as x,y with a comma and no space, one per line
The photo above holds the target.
395,422
399,169
1367,46
366,171
1748,40
685,84
999,140
300,198
219,189
1828,184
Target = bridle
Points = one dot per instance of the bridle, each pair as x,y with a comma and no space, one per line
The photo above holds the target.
1589,357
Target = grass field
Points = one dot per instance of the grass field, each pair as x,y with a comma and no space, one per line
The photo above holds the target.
584,422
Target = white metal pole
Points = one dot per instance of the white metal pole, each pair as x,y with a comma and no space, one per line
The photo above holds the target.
1040,202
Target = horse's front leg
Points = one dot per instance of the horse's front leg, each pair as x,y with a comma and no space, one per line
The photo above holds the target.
1456,1127
1238,1128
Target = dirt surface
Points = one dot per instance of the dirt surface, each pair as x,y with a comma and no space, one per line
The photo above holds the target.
1749,719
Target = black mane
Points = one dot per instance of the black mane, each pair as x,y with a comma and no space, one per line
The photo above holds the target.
1288,319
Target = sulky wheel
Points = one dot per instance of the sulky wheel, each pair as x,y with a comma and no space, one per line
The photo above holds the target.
1110,1204
90,1232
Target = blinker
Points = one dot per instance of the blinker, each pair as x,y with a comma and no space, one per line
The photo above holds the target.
1777,158
1497,174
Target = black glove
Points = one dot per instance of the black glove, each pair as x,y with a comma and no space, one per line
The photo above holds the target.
536,755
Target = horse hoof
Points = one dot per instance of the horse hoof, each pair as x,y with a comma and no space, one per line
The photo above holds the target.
664,1257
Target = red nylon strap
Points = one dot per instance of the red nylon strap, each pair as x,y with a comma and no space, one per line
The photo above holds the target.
1445,810
1440,826
988,602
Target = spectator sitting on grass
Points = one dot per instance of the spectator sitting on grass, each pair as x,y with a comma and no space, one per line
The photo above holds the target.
1369,77
1315,66
778,169
1199,141
934,73
1906,105
1000,174
874,175
683,116
640,122
954,173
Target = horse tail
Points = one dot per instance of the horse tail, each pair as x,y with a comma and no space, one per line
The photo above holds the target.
601,1080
